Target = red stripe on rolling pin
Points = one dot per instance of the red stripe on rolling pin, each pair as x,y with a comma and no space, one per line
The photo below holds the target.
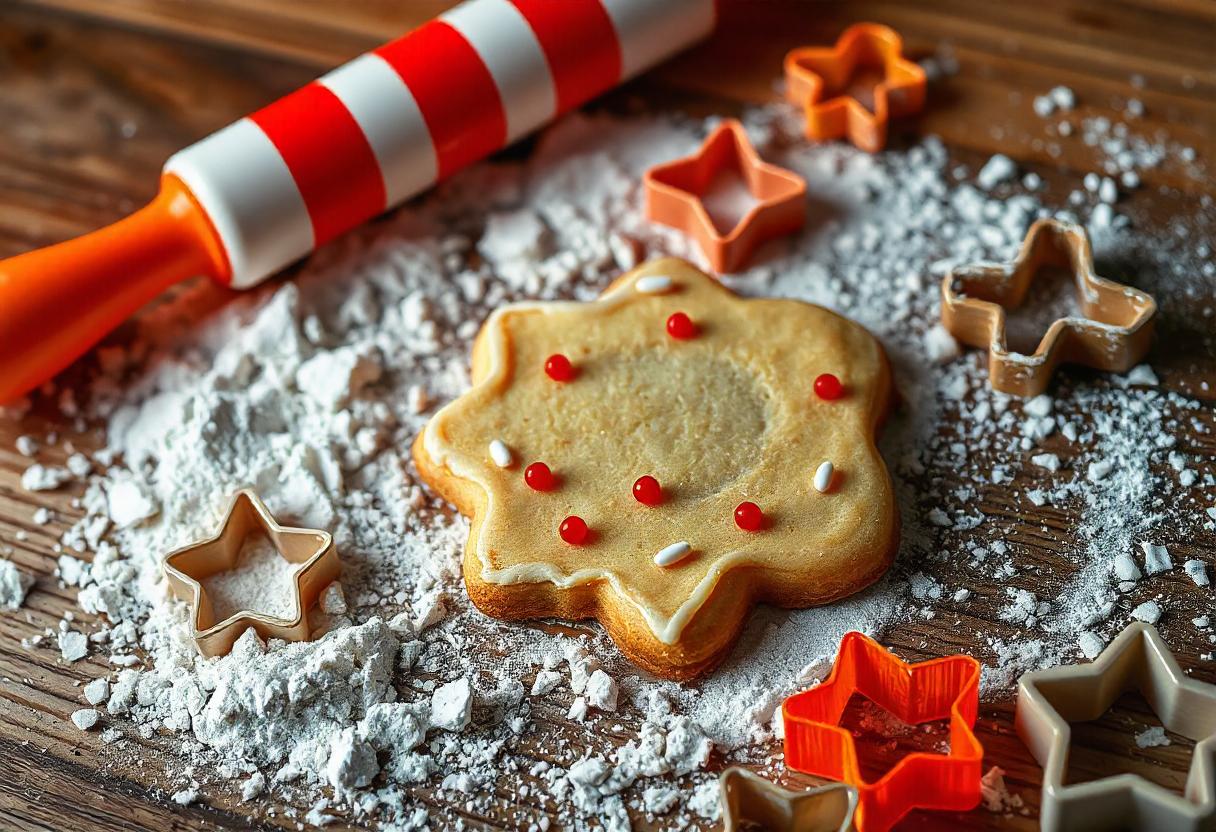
579,41
328,156
454,91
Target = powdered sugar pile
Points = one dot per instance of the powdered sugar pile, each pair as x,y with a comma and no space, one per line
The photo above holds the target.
261,580
311,392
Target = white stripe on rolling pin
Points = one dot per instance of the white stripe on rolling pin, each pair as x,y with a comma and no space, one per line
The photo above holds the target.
387,113
649,31
243,184
508,46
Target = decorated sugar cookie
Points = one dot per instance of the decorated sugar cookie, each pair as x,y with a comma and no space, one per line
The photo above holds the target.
664,457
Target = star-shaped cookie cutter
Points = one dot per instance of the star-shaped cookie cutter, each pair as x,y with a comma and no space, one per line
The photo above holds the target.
817,79
185,568
1048,700
750,801
674,192
915,693
1114,335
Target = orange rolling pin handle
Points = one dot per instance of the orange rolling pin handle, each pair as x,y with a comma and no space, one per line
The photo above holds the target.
57,302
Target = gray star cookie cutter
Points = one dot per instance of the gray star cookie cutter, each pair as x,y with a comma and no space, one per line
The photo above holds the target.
751,801
1049,699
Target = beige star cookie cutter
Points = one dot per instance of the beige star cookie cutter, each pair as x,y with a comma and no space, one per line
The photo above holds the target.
185,568
1048,700
750,801
1114,335
662,458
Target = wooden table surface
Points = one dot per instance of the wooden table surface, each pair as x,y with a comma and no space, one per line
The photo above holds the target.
95,94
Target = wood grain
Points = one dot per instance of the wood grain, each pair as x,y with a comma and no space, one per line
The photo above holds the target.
95,94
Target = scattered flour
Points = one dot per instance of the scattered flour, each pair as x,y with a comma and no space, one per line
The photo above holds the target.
85,718
451,705
1152,737
40,477
1000,168
996,797
73,646
14,584
1156,558
311,392
97,691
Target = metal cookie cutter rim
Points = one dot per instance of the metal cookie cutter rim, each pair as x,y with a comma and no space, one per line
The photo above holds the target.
674,197
1114,335
915,692
746,797
1048,700
811,70
185,568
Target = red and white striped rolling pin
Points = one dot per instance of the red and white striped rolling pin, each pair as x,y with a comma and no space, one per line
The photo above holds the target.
246,201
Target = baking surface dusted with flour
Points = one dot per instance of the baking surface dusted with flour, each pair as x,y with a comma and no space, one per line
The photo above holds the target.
411,707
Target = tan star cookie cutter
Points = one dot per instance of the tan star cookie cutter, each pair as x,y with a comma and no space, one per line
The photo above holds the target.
1048,700
1114,335
185,568
750,801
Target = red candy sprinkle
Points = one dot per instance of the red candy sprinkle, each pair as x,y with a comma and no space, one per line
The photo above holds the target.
559,368
749,517
573,530
539,477
681,327
647,491
828,387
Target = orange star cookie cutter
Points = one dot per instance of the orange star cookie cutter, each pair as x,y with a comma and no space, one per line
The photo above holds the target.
915,693
675,191
1114,335
818,79
187,567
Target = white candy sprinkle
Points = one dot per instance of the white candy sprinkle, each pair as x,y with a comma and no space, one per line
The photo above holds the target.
823,476
501,454
672,554
653,284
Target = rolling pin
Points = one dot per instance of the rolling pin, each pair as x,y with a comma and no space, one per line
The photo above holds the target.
255,196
